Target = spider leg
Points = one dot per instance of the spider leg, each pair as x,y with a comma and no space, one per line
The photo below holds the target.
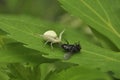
41,35
60,36
46,42
51,45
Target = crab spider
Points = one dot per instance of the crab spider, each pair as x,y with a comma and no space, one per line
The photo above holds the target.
51,36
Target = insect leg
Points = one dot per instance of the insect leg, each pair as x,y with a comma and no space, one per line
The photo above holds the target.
67,41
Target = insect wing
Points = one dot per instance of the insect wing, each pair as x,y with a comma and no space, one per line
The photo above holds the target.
67,55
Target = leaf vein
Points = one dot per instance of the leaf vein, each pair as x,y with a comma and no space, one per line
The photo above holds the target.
106,57
109,24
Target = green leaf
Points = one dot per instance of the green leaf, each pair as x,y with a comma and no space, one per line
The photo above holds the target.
104,41
15,52
48,69
90,55
3,76
100,15
79,73
24,71
24,30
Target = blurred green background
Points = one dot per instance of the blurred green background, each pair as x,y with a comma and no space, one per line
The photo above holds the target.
46,10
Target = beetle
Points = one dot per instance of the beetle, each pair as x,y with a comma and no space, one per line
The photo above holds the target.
70,49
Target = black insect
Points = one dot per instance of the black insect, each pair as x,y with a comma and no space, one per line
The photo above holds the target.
70,49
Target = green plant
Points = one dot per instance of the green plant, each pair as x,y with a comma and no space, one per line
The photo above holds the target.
22,49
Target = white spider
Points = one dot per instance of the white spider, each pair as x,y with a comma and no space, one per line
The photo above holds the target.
51,36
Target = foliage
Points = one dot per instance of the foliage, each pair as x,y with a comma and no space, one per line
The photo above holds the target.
79,73
27,58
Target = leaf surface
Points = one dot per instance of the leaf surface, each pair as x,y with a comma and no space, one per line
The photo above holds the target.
90,55
100,15
16,53
79,74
